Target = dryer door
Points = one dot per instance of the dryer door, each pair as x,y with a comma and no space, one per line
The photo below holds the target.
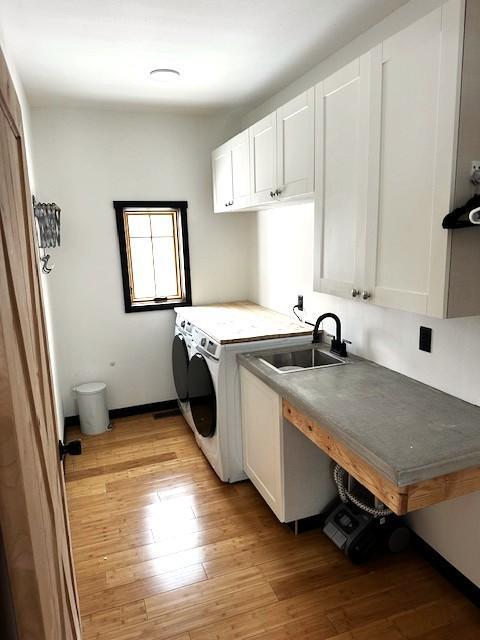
180,367
201,393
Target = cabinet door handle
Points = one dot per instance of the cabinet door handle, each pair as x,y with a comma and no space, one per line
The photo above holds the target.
355,293
272,194
366,295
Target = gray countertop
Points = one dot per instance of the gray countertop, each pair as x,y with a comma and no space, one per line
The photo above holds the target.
405,429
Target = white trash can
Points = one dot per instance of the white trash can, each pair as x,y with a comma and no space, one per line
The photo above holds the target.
92,407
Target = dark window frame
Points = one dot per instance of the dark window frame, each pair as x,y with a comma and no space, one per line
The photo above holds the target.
181,206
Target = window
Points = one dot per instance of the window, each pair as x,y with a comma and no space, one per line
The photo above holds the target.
153,241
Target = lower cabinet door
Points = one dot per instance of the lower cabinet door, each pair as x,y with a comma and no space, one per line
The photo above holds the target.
262,440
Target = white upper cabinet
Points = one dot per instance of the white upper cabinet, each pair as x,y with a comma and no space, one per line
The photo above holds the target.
282,151
414,99
231,174
295,146
271,161
240,159
341,173
222,178
263,159
386,145
390,164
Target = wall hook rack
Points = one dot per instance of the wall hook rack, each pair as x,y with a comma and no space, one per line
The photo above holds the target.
47,224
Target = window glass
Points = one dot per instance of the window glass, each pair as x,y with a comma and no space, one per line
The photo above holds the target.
162,225
138,225
165,267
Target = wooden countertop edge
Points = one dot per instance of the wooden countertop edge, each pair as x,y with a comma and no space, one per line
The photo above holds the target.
400,500
259,337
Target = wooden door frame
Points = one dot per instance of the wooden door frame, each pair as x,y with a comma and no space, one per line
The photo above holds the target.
38,615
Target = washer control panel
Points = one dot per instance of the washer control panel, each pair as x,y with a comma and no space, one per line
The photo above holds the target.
206,344
212,347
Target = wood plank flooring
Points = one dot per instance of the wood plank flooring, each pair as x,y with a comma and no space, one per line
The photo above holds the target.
164,550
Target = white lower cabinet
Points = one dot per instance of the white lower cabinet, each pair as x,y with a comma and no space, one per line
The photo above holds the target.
290,472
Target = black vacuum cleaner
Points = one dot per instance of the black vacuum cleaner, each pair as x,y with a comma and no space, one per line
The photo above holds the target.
359,524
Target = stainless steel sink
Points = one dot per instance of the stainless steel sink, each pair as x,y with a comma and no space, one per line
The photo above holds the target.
301,359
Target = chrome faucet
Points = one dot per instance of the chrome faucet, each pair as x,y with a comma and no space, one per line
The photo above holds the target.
338,345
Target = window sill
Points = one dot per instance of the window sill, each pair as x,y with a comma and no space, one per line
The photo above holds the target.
156,306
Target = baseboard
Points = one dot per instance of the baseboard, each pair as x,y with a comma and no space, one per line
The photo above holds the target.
448,571
160,409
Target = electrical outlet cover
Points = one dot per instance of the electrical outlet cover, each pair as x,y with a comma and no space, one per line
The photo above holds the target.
425,339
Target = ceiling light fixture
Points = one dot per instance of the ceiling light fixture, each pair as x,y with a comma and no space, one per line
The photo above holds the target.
164,75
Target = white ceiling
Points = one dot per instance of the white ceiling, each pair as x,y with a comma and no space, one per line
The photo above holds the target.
230,52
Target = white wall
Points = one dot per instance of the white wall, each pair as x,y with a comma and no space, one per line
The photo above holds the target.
86,159
284,268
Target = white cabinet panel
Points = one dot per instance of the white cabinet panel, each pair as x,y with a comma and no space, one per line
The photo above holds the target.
295,146
289,471
231,174
414,91
240,159
263,159
342,126
262,441
222,178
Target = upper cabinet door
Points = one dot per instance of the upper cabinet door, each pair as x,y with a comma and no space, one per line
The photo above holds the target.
295,146
240,159
414,99
342,124
222,178
263,159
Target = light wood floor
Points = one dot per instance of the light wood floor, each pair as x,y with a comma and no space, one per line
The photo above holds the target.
164,550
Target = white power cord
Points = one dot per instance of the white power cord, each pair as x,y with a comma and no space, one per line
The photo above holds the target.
339,475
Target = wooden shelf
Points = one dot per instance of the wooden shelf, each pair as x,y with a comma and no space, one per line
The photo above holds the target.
400,500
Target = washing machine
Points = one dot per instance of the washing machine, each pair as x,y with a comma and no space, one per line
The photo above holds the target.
213,391
181,353
205,392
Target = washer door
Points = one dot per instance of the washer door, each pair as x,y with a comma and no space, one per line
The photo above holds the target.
201,393
180,367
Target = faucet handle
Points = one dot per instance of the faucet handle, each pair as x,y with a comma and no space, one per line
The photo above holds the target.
347,341
342,351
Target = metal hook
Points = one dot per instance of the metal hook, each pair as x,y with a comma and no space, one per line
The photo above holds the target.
45,268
